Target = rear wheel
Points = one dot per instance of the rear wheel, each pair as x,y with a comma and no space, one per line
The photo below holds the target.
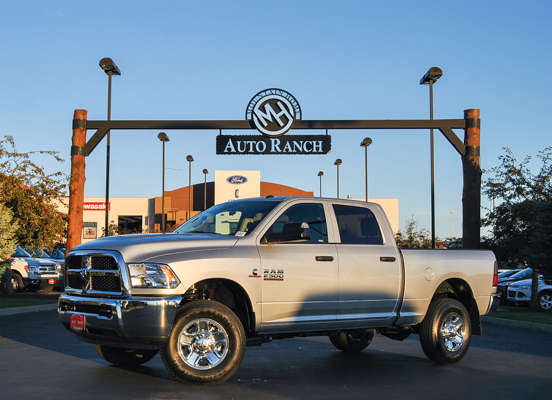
206,345
445,332
352,341
125,357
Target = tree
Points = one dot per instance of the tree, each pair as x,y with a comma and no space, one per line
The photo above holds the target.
521,226
413,237
7,240
31,195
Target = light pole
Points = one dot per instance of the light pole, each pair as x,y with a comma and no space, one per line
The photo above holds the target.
338,162
205,172
365,143
190,159
430,78
321,174
110,69
451,225
164,138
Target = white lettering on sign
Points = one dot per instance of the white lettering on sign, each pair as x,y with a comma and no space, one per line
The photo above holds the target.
273,112
299,144
94,206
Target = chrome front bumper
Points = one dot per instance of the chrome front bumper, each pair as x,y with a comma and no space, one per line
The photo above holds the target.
133,322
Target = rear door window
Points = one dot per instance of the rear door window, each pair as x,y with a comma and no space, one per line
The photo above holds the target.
357,225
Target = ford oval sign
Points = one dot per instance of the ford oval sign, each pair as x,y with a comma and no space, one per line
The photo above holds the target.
237,179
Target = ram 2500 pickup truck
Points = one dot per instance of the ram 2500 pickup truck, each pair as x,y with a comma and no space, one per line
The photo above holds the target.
255,270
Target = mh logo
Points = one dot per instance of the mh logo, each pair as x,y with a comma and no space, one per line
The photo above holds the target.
273,111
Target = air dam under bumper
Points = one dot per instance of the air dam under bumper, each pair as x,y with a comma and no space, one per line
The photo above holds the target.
133,322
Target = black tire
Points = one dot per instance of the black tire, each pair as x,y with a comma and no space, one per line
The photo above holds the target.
352,341
206,345
125,357
545,301
445,332
17,283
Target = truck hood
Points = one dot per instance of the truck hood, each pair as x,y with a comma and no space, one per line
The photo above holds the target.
142,247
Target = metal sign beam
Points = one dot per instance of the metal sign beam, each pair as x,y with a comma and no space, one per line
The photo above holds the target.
444,125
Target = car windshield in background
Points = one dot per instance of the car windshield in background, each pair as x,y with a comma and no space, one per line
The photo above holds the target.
37,253
522,274
19,252
232,218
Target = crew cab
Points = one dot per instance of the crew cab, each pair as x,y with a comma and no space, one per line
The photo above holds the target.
255,270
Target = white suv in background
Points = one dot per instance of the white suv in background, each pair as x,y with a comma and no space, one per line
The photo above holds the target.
35,274
520,292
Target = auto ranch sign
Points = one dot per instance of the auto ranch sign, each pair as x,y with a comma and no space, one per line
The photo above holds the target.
272,112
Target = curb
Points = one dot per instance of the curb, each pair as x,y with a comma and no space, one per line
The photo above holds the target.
22,310
518,324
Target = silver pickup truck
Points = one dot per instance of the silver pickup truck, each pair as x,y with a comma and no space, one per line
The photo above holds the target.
251,271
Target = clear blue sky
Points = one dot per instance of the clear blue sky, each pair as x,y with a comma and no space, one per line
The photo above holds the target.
341,60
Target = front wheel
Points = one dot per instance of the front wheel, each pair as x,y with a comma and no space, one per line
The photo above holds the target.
17,283
352,341
125,357
445,332
206,345
545,301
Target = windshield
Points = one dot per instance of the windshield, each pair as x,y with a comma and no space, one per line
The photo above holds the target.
233,218
37,253
19,252
506,274
522,274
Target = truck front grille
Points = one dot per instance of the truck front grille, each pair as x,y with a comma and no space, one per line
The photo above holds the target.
93,273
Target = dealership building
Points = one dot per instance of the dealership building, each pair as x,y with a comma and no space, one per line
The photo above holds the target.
135,215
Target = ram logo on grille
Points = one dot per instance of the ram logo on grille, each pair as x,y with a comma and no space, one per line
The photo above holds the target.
86,266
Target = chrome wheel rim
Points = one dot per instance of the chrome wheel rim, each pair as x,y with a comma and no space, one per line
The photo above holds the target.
453,332
203,344
546,302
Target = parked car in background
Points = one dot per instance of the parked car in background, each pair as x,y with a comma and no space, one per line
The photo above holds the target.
35,274
520,293
503,283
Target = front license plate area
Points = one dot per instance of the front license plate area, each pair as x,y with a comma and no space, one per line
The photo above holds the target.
77,322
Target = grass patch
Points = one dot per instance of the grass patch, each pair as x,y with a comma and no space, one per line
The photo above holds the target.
12,303
525,316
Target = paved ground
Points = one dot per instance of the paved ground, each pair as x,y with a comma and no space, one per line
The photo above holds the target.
39,358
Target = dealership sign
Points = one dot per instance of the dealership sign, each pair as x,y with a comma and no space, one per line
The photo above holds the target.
272,112
285,145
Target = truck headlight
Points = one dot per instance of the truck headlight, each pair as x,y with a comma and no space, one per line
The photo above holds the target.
152,276
32,270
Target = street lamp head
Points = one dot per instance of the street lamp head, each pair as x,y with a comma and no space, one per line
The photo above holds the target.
321,173
366,142
338,161
163,137
432,75
109,66
189,158
205,171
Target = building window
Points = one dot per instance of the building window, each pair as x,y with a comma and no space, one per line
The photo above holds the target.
130,224
90,230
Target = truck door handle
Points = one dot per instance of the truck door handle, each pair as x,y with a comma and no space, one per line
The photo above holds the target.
324,258
387,259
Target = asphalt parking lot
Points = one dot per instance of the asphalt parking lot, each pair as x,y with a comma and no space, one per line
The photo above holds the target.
38,358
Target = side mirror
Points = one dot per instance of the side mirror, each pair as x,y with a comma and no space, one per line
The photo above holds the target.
293,232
